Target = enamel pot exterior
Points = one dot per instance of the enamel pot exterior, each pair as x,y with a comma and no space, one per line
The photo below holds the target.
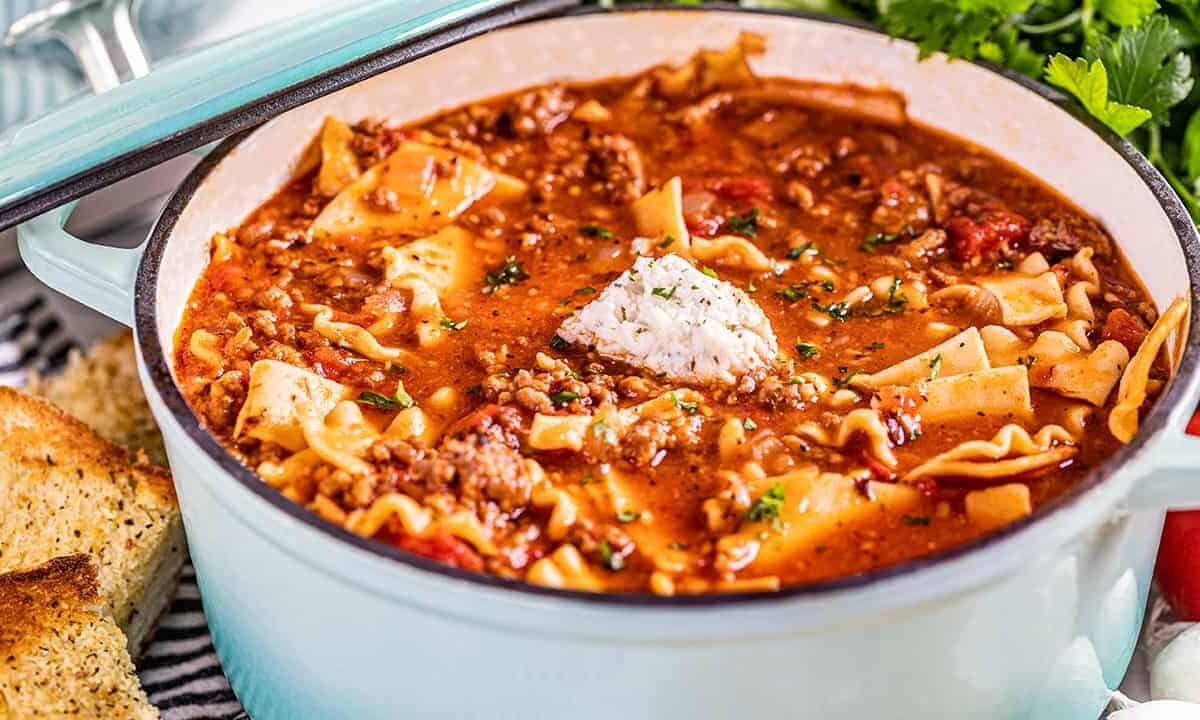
1035,621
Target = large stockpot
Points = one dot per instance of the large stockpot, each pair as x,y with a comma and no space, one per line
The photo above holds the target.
312,622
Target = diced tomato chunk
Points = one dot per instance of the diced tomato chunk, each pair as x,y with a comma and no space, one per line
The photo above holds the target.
742,187
444,548
703,224
226,276
971,239
882,472
331,361
1122,326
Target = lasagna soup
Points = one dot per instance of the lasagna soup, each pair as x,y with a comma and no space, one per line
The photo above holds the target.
689,331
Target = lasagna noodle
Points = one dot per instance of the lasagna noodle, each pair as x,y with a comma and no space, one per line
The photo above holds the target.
353,337
997,392
281,399
1123,420
1011,451
659,215
862,421
960,354
1027,300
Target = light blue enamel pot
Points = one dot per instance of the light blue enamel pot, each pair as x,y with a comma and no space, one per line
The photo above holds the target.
1035,621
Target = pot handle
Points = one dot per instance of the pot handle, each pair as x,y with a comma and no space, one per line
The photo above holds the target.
1174,481
98,276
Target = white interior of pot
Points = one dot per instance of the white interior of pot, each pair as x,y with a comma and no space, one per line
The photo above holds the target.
956,96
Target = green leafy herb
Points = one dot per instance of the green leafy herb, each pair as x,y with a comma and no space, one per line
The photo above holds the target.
664,293
597,231
744,224
875,346
564,397
844,380
749,424
510,273
896,299
589,290
872,242
1004,264
935,367
795,252
1089,84
827,285
710,272
688,407
794,292
557,343
399,399
767,506
667,242
916,519
837,311
627,516
751,287
452,325
610,558
806,350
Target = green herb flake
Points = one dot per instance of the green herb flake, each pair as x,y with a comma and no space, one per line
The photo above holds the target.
827,285
627,516
449,324
510,273
710,272
664,293
667,242
935,367
564,397
749,424
744,224
844,381
610,558
872,242
399,399
557,343
837,311
596,231
916,520
688,407
794,253
1004,264
767,506
806,350
874,346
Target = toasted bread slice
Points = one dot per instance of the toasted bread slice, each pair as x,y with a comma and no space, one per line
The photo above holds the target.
66,490
59,657
101,388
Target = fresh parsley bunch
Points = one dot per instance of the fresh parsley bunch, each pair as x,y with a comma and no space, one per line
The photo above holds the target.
1129,63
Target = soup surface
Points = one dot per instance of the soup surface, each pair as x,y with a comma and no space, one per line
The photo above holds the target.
682,332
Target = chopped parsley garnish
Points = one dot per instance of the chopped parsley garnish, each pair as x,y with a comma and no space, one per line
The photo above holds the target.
872,242
611,559
768,506
400,399
806,350
510,273
935,366
875,346
749,424
452,325
795,252
794,292
627,516
916,519
667,242
744,224
589,290
844,381
676,545
710,272
557,343
1004,264
896,300
827,285
837,311
597,231
688,407
564,397
751,287
664,293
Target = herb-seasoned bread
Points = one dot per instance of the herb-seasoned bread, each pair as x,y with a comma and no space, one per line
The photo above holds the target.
59,657
66,490
101,388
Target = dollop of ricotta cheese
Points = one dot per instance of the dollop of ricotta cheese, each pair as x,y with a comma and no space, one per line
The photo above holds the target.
668,317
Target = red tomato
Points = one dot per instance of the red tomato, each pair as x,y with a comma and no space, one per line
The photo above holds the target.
741,187
703,224
445,549
1178,568
972,238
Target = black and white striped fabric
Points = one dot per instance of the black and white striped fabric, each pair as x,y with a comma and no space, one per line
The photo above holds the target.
180,670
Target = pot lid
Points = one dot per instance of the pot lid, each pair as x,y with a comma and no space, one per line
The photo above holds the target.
189,101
